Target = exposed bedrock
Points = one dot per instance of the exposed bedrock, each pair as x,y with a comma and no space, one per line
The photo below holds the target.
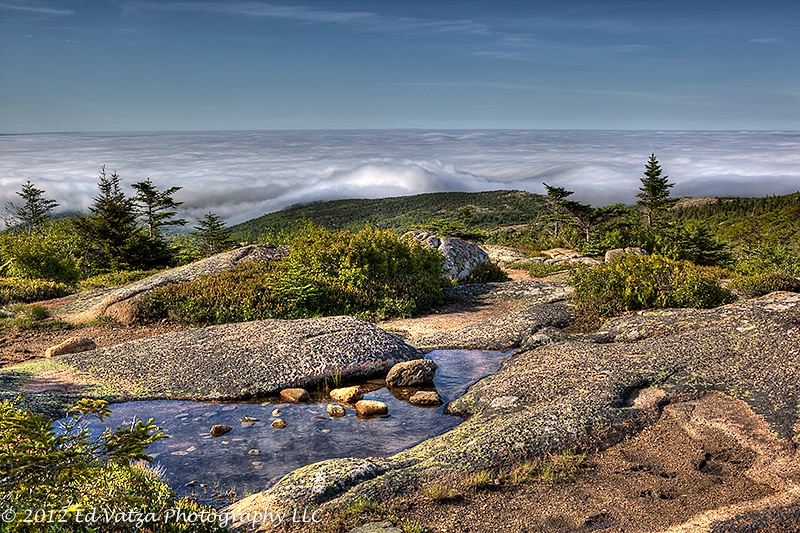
580,393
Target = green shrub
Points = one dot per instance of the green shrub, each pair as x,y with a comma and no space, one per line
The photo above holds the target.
113,279
632,282
764,283
47,254
485,273
31,290
770,258
70,474
372,274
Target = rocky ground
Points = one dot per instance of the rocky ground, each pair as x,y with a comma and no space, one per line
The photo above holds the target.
689,418
225,362
18,346
723,384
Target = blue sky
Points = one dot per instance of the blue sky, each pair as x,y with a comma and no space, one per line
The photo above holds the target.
130,65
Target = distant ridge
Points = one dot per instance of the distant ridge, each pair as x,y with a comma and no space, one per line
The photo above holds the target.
478,210
743,222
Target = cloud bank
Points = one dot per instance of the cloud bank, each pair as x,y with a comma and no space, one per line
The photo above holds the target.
240,175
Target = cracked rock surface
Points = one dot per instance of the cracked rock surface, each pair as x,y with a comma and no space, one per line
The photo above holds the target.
581,393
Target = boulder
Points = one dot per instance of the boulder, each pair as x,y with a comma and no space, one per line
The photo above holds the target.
218,430
425,398
122,303
624,251
504,256
411,373
371,408
278,423
347,394
71,345
239,361
336,410
562,254
461,257
295,395
565,255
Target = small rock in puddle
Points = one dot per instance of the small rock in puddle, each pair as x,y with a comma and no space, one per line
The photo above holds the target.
218,430
347,394
425,398
335,410
371,408
295,395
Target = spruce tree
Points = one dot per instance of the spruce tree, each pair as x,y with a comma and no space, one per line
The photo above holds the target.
34,211
654,197
556,197
113,239
582,216
156,208
212,234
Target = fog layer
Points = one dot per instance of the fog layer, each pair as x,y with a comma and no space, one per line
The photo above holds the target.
240,175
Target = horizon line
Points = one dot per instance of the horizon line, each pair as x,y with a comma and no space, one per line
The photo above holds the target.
279,130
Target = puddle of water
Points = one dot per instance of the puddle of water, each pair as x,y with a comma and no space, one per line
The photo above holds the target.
229,461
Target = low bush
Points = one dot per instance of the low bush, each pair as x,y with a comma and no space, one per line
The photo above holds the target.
21,290
485,273
48,254
764,283
770,257
113,279
542,270
632,282
371,274
65,474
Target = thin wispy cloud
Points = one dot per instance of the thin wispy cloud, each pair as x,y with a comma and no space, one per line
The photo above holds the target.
664,97
36,8
360,20
512,45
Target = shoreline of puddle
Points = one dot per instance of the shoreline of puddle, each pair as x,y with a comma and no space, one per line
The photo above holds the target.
253,455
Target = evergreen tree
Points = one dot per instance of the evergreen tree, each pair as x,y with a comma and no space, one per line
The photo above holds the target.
583,216
34,211
113,240
212,234
156,208
556,196
654,197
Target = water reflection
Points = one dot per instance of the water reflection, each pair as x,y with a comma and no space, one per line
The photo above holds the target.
253,454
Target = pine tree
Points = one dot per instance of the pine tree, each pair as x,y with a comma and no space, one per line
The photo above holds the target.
111,234
156,208
655,195
582,216
556,196
212,234
34,211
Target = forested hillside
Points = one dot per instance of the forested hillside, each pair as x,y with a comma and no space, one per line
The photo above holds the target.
746,221
459,211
